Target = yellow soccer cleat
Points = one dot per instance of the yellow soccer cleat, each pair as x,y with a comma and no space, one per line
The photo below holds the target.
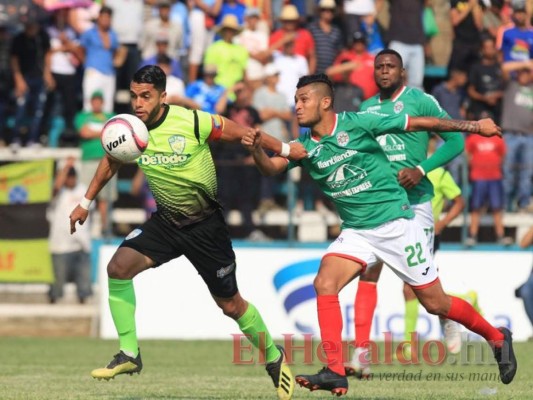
121,364
281,375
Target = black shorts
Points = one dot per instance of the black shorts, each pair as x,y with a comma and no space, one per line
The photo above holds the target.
206,244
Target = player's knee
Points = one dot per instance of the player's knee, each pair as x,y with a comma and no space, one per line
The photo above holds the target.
232,309
117,269
325,285
435,308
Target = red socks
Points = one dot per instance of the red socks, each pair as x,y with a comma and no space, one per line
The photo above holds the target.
461,311
330,321
366,299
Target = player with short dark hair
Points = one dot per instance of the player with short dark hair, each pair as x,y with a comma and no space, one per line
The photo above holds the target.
181,175
407,153
347,162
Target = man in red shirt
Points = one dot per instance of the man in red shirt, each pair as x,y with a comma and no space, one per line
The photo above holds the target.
358,63
304,44
485,158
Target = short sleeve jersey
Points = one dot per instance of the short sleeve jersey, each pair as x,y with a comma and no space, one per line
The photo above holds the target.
408,150
178,165
353,171
445,189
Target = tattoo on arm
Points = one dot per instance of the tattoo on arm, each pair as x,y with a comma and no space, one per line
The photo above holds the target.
456,125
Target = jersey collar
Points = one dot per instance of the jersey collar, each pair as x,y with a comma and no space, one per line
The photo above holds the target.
317,139
394,98
160,120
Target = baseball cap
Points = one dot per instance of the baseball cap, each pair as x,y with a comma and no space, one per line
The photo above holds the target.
518,5
252,12
271,70
210,69
359,36
162,37
97,94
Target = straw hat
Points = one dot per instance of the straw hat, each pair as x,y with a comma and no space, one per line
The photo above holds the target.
229,22
289,12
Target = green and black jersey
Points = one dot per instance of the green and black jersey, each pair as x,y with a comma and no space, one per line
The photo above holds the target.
179,167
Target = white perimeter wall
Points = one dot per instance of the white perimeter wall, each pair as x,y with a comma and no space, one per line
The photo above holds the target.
174,303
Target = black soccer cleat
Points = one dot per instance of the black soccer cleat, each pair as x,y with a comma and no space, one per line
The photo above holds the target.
120,364
281,375
325,379
505,357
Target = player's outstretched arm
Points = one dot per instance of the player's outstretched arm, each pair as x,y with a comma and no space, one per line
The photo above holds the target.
268,166
484,127
106,169
232,132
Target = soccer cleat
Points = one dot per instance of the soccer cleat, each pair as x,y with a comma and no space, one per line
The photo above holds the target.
281,375
359,367
120,364
505,357
325,379
452,335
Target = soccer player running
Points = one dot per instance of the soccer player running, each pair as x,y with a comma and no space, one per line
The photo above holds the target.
407,153
348,164
181,175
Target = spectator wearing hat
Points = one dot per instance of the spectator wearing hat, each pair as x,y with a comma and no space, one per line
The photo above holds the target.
30,65
161,45
255,41
206,92
89,126
100,52
230,58
290,30
327,36
358,63
202,24
264,8
517,42
161,26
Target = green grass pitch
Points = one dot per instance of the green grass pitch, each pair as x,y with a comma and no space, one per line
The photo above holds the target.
39,369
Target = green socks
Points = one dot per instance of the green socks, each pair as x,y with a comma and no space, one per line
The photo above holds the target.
122,305
252,325
411,316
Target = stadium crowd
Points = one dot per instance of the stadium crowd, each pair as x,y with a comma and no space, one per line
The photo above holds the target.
65,68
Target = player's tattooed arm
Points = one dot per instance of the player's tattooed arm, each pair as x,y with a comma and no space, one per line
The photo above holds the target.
484,127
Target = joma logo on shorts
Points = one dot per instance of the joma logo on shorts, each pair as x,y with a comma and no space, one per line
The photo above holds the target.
222,272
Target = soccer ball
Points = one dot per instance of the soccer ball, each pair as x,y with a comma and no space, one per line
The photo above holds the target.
124,137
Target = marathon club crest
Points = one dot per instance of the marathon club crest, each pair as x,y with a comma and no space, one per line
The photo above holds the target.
398,107
342,138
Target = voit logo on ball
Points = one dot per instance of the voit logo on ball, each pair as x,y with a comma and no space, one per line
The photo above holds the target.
294,284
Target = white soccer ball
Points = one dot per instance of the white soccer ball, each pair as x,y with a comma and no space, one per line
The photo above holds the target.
124,137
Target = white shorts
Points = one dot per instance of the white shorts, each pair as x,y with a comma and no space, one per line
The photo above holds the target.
424,217
401,244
